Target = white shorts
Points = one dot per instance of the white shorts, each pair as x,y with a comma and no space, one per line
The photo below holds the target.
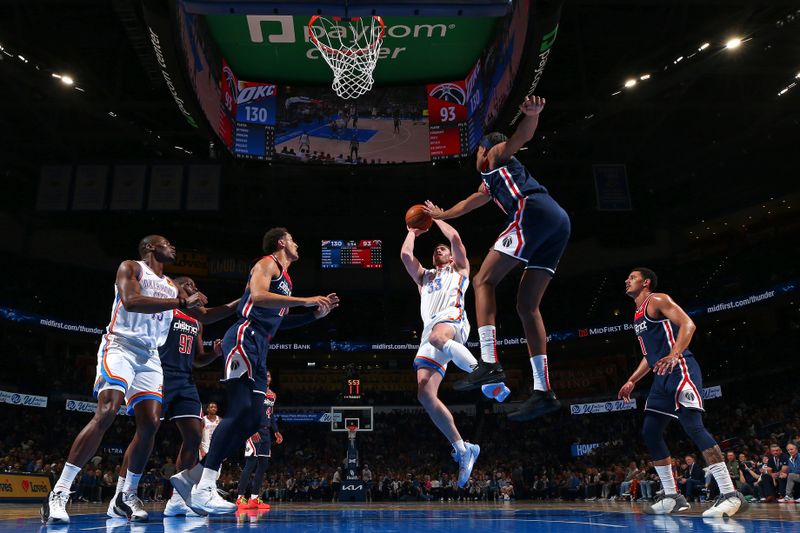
427,354
133,370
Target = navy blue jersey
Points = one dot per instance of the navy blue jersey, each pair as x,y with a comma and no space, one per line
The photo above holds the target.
269,423
178,351
266,321
656,337
509,185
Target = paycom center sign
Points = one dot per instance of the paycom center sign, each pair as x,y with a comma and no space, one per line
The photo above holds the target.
278,48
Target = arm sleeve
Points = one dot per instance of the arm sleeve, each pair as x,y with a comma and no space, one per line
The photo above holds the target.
296,321
274,422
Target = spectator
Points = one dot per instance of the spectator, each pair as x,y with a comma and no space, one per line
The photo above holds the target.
108,484
777,459
647,482
766,484
692,480
631,474
790,474
336,485
748,477
168,470
366,476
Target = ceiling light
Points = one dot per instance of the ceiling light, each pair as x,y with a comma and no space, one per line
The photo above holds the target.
56,76
733,43
644,77
66,80
703,47
630,83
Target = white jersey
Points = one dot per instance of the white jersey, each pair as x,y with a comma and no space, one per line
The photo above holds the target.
148,330
208,429
442,288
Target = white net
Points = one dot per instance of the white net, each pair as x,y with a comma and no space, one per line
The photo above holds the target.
350,47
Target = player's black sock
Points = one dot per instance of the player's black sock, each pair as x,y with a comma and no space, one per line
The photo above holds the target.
244,481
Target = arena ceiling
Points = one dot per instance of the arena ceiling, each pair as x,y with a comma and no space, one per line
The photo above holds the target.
711,118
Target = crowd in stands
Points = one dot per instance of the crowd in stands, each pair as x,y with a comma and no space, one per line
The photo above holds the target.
408,460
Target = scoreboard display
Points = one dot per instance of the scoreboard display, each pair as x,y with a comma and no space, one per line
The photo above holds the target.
247,123
447,120
352,254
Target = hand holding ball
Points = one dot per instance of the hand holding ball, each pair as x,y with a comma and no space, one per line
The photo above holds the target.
417,218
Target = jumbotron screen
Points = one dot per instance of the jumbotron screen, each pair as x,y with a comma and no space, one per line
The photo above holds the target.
286,111
352,254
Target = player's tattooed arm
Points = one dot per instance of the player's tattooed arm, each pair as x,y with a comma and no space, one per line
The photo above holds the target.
662,306
130,293
412,264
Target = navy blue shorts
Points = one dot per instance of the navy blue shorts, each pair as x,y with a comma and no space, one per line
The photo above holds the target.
682,387
245,350
263,448
537,233
181,399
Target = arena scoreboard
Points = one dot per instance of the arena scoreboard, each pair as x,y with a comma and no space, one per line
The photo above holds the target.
352,254
454,120
248,116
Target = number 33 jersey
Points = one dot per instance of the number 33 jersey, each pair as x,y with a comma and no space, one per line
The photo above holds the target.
442,288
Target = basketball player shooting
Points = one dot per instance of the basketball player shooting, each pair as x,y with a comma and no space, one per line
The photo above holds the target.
446,329
535,236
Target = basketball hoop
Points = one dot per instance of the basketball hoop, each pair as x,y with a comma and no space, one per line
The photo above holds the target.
350,47
351,432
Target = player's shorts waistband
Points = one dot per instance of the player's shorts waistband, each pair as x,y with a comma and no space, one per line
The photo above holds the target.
131,343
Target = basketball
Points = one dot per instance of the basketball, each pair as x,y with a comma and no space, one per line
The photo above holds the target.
416,217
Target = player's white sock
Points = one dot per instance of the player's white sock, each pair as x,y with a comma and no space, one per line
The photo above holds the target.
723,477
131,482
488,339
460,355
64,483
667,481
541,378
120,485
459,446
254,496
208,479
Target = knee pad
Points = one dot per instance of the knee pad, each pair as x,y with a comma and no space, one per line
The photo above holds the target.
692,422
653,435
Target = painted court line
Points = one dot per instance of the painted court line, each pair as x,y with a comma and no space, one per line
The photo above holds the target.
552,522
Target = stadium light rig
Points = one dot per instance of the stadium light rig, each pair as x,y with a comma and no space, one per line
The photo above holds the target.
733,43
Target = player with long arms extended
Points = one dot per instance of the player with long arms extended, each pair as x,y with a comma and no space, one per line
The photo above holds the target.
664,331
129,370
262,310
536,234
446,330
